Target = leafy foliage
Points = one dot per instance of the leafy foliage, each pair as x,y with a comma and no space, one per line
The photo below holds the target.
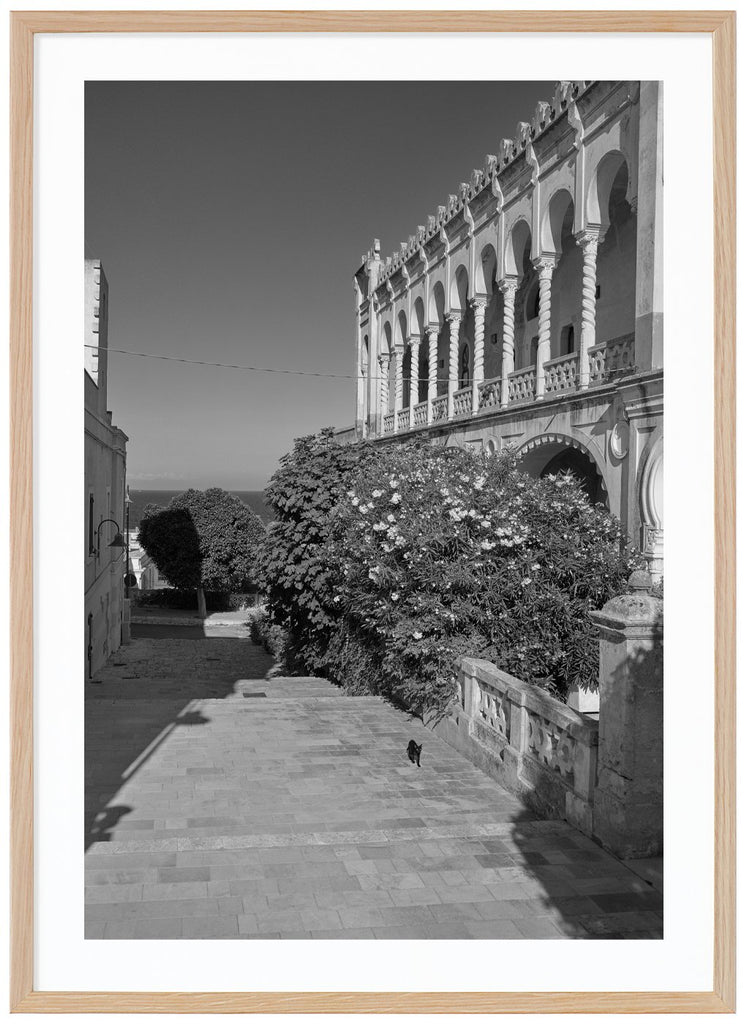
412,556
203,539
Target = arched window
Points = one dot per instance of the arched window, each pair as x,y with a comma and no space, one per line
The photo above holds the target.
464,368
533,302
567,341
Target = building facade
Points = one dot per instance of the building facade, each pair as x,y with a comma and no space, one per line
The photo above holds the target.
105,470
527,312
142,566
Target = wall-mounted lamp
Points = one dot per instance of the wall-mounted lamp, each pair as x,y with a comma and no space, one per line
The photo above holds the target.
118,541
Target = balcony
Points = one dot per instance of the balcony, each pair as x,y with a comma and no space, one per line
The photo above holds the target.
607,362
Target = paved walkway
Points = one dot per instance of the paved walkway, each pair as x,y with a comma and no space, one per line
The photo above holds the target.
224,805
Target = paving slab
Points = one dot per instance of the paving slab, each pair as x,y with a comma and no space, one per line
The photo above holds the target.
224,804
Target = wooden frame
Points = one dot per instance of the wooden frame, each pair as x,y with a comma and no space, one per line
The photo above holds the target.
24,25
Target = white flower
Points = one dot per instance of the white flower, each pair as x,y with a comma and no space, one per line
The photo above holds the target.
395,597
377,494
379,526
485,523
394,484
395,499
355,501
480,483
535,567
391,518
487,545
417,636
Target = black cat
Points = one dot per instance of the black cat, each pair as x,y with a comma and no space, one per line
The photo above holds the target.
413,752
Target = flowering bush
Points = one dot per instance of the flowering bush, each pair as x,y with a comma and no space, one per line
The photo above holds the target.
429,554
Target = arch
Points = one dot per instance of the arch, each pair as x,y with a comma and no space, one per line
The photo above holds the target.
364,356
417,320
436,304
547,454
485,271
459,289
387,331
402,332
607,174
555,221
519,240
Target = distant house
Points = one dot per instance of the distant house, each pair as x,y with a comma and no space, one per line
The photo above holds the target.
104,493
143,568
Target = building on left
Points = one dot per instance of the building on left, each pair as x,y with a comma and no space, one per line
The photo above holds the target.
104,489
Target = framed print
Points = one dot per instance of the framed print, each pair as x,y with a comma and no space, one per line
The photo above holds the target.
213,169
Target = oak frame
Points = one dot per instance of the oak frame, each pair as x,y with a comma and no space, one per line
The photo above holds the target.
24,25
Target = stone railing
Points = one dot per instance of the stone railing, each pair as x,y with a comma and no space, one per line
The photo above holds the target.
420,415
489,394
403,419
522,385
463,402
610,358
535,746
438,408
561,374
387,425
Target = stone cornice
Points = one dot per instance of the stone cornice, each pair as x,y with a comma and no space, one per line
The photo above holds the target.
546,116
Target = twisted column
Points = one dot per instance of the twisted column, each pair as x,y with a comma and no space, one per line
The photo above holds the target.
397,385
589,242
432,336
478,372
508,288
383,388
414,375
453,320
545,266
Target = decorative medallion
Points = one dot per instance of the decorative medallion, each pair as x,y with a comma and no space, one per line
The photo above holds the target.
620,439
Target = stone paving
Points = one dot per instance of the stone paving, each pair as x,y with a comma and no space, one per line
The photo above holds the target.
220,804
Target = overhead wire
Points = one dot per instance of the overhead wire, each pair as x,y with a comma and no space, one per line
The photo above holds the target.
255,369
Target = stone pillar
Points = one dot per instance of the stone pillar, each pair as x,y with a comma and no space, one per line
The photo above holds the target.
397,385
478,372
414,375
545,266
432,336
383,389
628,807
453,320
508,288
648,207
588,240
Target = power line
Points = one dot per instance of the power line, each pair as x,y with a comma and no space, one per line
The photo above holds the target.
254,369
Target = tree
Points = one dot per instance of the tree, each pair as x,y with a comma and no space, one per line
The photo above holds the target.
203,540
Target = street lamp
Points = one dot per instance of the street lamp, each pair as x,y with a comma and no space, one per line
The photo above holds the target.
118,541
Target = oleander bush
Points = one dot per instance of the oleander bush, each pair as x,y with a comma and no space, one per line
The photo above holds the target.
410,556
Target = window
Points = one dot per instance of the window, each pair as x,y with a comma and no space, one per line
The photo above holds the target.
464,368
567,341
91,548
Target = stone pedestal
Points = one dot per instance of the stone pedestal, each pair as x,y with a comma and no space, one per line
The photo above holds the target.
628,803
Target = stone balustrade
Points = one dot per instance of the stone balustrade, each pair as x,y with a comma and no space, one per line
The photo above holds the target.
534,745
387,425
612,357
561,374
420,415
463,402
522,385
403,420
438,408
489,394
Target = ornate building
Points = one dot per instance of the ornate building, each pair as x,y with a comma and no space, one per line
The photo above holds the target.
105,455
528,310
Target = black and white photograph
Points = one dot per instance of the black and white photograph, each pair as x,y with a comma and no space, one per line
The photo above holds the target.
373,509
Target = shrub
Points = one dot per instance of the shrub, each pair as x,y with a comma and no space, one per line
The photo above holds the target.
294,569
422,555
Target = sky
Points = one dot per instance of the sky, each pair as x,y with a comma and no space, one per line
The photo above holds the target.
229,218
